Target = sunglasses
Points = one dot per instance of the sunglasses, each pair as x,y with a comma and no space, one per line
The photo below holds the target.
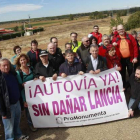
87,41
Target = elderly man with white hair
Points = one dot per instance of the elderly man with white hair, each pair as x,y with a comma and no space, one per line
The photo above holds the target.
128,49
83,50
9,102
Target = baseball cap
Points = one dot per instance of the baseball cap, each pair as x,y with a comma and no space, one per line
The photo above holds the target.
43,52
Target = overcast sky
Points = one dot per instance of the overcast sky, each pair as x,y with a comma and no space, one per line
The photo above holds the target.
20,9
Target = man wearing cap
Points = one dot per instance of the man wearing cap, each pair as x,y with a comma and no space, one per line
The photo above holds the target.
44,68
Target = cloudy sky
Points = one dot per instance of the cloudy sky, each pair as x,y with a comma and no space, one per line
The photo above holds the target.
20,9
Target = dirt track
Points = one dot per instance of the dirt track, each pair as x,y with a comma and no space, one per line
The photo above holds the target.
120,130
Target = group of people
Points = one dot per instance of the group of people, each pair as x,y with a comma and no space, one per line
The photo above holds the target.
94,54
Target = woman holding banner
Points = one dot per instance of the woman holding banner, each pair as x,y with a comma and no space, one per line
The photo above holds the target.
24,74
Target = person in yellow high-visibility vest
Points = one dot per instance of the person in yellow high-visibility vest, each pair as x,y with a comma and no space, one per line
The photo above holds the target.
75,44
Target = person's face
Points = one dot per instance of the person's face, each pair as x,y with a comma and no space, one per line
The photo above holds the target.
121,30
112,52
96,29
0,55
93,41
44,58
86,41
114,29
18,51
55,41
5,66
134,35
94,52
106,41
137,73
34,46
70,57
52,49
74,37
68,47
23,61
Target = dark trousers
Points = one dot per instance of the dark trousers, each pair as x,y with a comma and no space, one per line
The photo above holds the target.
125,62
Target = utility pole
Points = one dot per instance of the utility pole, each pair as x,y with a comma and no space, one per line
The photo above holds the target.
29,22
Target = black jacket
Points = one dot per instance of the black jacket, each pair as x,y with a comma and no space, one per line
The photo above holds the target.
101,64
41,70
4,98
83,53
33,58
135,90
71,69
56,60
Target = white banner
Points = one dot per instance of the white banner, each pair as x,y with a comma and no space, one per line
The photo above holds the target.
76,100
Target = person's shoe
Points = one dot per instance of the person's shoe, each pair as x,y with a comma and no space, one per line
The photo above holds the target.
32,128
23,137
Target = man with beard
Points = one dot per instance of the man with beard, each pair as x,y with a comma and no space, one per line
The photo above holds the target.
134,83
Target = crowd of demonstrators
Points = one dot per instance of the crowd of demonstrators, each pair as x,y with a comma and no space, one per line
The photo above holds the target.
94,54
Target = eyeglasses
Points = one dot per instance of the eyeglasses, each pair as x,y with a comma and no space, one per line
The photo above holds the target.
87,41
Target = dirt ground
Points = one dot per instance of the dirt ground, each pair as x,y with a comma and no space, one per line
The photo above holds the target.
127,129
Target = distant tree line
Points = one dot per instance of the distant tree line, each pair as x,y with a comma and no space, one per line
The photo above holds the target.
92,15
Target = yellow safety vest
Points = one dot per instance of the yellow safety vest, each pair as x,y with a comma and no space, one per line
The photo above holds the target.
74,49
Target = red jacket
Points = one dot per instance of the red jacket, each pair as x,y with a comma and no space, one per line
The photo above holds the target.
132,45
98,36
112,61
103,51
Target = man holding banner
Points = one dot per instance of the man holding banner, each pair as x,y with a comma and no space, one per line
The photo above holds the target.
134,83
